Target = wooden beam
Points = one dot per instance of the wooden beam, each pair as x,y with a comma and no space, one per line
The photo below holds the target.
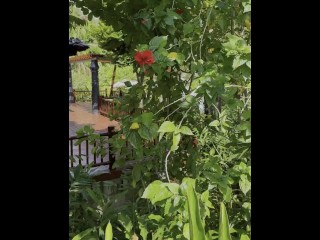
88,57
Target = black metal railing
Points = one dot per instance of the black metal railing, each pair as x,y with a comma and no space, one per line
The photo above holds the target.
82,153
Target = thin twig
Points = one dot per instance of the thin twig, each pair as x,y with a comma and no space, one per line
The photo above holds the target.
172,46
169,105
239,86
172,113
173,4
217,151
191,80
184,115
245,104
204,30
166,166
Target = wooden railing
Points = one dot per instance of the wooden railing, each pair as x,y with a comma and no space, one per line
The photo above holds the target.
85,95
107,106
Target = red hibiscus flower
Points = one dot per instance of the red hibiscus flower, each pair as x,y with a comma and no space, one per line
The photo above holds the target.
145,57
179,11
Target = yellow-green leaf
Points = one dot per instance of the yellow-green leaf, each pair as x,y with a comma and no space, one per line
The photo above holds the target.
196,228
224,233
167,126
186,131
83,234
134,125
109,233
172,55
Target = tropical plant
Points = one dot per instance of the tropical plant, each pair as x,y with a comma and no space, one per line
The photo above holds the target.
90,209
190,111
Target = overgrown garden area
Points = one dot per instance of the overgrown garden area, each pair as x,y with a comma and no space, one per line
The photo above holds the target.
188,130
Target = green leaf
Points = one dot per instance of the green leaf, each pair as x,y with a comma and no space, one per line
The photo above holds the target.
186,131
167,126
148,133
157,68
244,184
175,142
247,205
109,233
161,136
227,193
172,55
158,42
143,230
153,130
196,229
146,118
173,187
158,234
187,28
236,45
247,7
180,58
142,47
134,139
86,233
205,196
156,191
248,63
244,237
186,231
126,223
176,201
224,233
237,62
169,20
136,172
205,199
171,29
167,206
87,128
157,218
214,123
212,152
246,114
173,14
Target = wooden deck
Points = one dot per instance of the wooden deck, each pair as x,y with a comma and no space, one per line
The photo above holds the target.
80,115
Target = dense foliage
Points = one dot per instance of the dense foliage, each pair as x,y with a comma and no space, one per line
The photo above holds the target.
94,33
190,113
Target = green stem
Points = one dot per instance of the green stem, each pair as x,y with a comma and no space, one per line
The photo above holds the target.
204,30
166,166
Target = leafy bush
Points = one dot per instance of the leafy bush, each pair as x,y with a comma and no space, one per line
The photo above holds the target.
190,112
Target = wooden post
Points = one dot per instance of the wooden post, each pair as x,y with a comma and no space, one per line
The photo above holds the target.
71,100
95,86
